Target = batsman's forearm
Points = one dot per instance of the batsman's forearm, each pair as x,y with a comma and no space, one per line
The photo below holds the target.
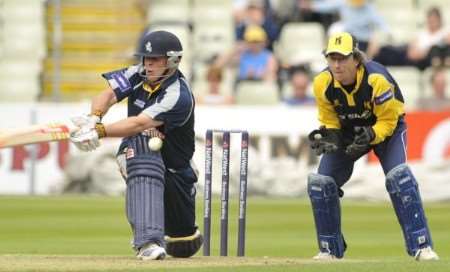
130,126
102,102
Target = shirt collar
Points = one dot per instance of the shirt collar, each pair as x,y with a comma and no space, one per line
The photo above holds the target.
162,85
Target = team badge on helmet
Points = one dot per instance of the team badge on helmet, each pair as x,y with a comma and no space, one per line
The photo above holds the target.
148,47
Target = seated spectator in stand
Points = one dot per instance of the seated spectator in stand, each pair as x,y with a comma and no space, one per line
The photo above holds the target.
254,61
258,12
358,17
439,99
430,46
293,11
213,95
299,82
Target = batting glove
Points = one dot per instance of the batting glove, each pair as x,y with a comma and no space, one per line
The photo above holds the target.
86,121
85,139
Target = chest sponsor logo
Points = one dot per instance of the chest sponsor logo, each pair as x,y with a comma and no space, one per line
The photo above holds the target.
122,82
139,103
384,97
352,116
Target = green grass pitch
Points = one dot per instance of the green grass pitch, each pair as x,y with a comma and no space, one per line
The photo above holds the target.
87,233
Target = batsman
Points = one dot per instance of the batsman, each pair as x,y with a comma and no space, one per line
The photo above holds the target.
160,195
361,108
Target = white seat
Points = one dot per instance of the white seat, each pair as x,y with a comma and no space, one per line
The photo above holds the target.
23,10
300,42
395,5
182,3
20,89
408,79
19,79
16,67
257,93
213,14
168,13
402,24
23,39
210,40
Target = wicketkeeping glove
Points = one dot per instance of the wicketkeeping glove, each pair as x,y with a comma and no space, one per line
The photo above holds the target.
361,143
325,140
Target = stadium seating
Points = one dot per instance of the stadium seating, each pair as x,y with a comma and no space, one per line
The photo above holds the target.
213,29
256,93
22,39
98,36
409,80
101,35
168,11
443,5
426,79
200,85
300,43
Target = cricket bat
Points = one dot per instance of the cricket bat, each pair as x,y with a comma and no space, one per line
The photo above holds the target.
36,134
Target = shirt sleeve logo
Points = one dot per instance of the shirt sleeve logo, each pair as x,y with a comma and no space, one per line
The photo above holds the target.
122,82
384,97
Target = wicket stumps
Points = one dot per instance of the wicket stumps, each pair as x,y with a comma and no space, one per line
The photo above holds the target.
225,191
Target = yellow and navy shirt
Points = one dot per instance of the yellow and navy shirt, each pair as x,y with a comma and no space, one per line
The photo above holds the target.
376,101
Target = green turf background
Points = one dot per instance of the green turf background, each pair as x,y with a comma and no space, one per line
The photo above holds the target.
89,232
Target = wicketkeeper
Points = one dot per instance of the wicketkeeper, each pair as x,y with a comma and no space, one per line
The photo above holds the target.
160,196
361,108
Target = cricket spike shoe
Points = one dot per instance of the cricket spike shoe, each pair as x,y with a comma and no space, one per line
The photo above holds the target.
151,251
324,256
426,254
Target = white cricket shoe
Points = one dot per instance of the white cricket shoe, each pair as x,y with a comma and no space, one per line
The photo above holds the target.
426,254
324,256
151,251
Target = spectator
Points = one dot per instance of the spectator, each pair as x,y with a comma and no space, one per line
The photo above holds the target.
430,45
358,17
213,95
294,11
258,12
299,82
254,61
438,101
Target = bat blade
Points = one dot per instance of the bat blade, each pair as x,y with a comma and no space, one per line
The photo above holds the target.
35,134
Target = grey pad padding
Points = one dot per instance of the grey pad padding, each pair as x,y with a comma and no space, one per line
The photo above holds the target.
145,192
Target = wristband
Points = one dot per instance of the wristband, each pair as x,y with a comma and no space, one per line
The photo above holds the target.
101,131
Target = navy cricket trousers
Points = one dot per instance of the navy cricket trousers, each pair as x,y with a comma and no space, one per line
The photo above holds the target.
391,152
